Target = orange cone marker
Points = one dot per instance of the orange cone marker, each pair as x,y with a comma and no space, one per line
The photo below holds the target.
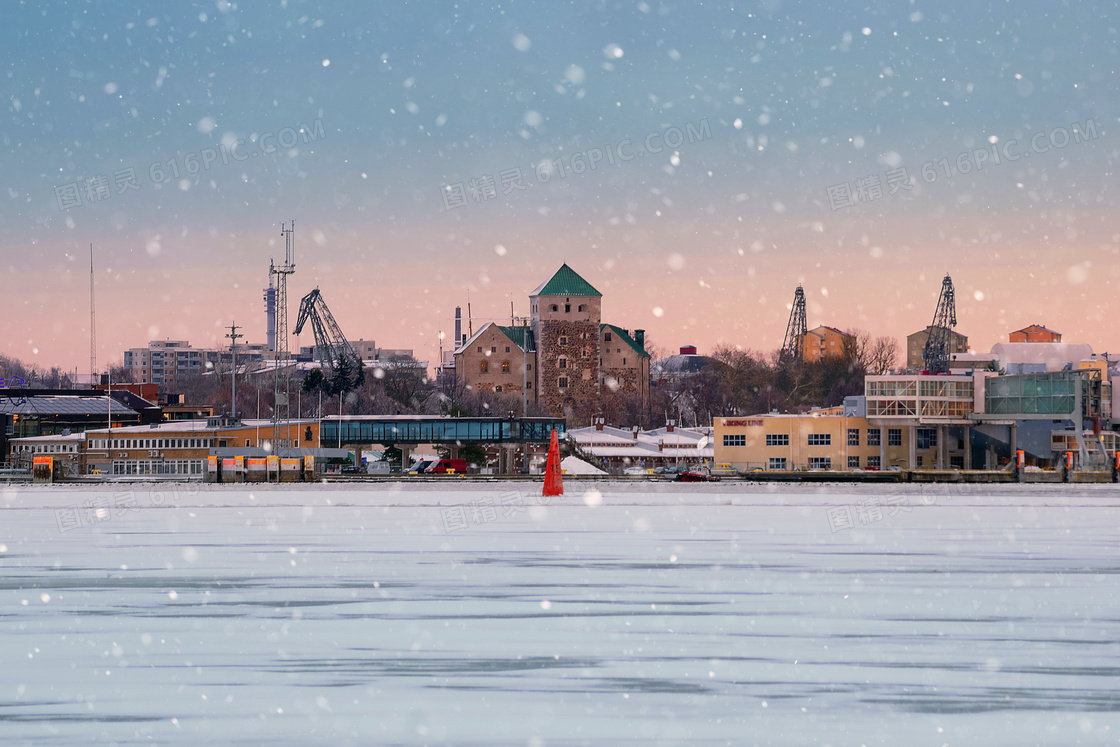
553,480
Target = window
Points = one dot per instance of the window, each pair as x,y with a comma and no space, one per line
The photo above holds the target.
873,462
563,340
554,307
507,348
894,437
735,440
563,382
480,348
528,366
607,337
567,308
562,363
484,366
820,439
853,462
927,438
498,389
528,385
624,361
873,436
956,462
777,439
494,349
505,366
820,462
853,437
777,463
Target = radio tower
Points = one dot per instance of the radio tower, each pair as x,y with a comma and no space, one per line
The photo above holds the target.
92,327
281,377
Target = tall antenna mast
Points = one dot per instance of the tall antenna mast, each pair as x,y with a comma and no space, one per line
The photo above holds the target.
92,326
281,378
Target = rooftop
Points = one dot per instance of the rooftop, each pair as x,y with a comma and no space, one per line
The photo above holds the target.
566,282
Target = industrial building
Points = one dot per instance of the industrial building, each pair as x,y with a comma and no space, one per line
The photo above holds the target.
973,420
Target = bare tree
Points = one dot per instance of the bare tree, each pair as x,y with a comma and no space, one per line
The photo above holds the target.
882,357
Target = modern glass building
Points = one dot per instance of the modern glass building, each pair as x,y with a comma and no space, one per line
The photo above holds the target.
433,429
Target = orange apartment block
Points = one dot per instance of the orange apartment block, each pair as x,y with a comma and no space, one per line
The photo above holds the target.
1035,333
825,342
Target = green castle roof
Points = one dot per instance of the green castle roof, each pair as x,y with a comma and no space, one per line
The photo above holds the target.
566,282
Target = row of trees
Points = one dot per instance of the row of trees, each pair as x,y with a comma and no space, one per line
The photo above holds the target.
745,382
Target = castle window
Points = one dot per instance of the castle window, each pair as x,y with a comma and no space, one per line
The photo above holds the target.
562,363
498,389
607,337
563,382
567,308
494,350
505,366
528,385
582,307
507,348
563,340
483,366
624,361
554,307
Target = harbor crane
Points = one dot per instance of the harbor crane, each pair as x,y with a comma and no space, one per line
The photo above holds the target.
939,344
342,363
796,328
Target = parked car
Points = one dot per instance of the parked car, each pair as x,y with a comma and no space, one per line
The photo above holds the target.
696,476
635,471
420,467
447,466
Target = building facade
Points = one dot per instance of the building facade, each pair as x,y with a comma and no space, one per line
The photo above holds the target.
495,359
164,362
916,346
565,358
1034,333
826,342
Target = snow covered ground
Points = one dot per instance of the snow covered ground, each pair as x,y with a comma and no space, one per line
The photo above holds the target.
620,614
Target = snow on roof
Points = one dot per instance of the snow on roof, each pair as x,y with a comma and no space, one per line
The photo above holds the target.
576,466
1054,355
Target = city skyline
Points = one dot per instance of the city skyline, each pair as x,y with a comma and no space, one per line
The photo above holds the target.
697,161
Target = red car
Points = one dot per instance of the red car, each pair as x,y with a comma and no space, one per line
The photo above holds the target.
696,477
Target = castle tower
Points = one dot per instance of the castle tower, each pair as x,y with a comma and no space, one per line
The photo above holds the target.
565,313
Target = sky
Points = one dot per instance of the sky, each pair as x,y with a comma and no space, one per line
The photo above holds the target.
695,162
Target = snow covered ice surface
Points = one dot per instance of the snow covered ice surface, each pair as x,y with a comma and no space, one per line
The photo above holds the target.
619,614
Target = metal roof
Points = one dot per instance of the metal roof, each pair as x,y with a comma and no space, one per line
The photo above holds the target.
566,282
53,405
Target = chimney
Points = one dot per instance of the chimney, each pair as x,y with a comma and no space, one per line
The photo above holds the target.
458,326
670,426
661,445
634,432
599,422
640,338
688,350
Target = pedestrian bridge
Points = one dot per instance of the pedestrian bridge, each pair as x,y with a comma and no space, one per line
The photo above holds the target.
435,429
